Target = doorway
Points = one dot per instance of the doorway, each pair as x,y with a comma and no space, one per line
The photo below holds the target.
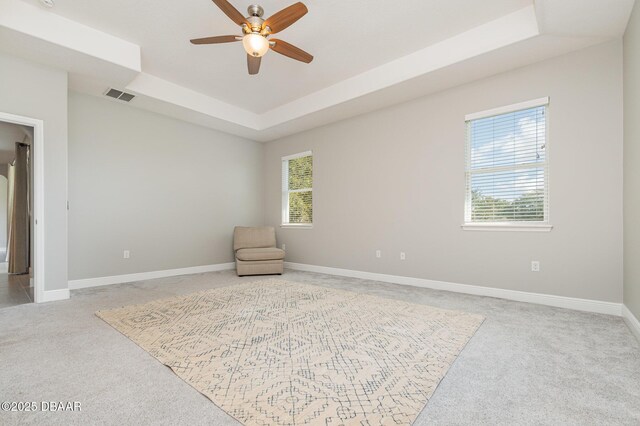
16,214
34,128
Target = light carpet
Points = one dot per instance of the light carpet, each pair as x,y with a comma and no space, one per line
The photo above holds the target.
286,353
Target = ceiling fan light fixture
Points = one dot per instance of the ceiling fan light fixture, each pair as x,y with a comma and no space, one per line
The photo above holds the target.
256,32
255,44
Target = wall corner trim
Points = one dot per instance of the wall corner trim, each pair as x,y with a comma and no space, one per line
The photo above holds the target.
142,276
596,306
54,295
632,322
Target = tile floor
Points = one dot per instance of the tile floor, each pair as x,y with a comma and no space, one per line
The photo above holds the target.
14,289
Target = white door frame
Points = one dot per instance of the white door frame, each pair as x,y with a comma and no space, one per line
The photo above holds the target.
37,155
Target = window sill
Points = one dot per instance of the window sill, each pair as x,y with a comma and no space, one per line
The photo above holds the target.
297,225
509,227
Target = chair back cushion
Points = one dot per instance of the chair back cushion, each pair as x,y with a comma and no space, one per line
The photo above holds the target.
253,237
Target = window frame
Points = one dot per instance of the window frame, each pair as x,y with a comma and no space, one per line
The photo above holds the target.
284,220
526,226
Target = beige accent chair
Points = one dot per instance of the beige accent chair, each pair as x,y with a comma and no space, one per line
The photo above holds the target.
256,251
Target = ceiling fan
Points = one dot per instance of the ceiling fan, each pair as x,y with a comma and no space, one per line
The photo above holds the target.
256,31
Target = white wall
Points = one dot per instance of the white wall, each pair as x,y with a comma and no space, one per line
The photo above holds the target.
36,91
394,180
3,214
168,191
632,163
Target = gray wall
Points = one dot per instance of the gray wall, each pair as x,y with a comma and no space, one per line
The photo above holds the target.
632,164
394,180
36,91
168,191
9,135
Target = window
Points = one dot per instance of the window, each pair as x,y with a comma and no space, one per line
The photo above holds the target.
297,189
507,168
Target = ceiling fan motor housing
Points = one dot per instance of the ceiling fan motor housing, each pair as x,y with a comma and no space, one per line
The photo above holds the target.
255,21
255,25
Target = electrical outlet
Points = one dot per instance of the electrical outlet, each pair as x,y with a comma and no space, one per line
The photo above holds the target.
284,246
535,266
126,254
402,256
378,254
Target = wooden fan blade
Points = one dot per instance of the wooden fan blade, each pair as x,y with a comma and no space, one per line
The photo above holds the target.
285,17
253,64
286,49
230,11
214,40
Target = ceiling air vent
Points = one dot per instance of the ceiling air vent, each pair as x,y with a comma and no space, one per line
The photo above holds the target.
117,94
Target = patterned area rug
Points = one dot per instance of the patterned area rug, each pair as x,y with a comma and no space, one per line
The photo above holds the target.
279,352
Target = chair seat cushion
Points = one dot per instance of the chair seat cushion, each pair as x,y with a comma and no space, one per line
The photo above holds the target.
263,253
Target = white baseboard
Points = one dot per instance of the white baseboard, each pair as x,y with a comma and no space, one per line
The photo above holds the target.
54,295
142,276
587,305
631,321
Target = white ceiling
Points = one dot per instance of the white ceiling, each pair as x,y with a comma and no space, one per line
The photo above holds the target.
368,53
345,37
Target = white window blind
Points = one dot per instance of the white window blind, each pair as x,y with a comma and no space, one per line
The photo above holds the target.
507,165
297,189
